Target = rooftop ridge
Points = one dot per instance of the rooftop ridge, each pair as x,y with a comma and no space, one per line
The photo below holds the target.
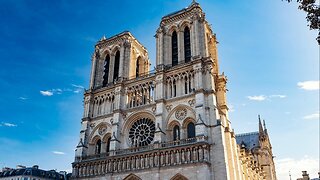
247,134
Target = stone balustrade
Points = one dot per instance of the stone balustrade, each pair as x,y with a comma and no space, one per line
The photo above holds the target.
187,151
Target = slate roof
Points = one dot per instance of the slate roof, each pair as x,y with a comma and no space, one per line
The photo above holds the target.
249,140
30,171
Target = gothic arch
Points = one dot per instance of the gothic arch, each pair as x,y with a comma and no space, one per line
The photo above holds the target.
105,137
189,109
172,124
115,49
132,177
104,53
184,24
178,177
94,140
171,29
94,132
187,121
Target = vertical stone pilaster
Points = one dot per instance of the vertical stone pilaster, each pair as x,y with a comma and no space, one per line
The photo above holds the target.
93,70
160,126
161,47
122,61
157,48
219,160
159,87
180,46
198,76
111,67
196,37
115,143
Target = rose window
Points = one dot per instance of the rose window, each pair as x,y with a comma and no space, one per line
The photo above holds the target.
141,132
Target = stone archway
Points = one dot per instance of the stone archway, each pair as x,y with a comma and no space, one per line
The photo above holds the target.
132,177
178,177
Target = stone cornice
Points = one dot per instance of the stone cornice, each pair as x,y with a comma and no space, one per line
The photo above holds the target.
193,8
120,38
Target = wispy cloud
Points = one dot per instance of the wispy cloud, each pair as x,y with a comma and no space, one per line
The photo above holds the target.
265,97
312,116
6,124
75,89
22,98
78,88
257,98
58,152
278,96
309,85
295,166
46,93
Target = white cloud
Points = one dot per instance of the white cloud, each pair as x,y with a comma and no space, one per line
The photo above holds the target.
77,86
257,98
295,166
278,96
51,92
22,98
264,97
309,85
8,124
58,152
46,93
312,116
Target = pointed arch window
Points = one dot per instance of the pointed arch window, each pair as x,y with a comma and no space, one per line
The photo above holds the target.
187,48
176,133
191,130
174,46
106,70
98,147
116,66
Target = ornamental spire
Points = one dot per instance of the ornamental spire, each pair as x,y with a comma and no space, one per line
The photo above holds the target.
260,126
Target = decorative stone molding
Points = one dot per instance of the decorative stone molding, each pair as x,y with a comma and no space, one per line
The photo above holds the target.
168,107
181,114
192,102
102,130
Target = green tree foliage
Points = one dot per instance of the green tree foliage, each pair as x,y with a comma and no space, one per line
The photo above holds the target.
313,14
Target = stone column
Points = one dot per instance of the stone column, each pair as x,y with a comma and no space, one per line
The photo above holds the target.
199,101
160,127
111,67
195,36
180,47
117,120
93,69
167,57
122,61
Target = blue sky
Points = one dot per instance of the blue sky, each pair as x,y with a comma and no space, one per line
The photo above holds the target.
265,49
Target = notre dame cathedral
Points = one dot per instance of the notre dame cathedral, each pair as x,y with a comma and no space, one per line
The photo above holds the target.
168,124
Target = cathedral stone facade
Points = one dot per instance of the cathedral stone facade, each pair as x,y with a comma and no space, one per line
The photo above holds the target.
168,124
